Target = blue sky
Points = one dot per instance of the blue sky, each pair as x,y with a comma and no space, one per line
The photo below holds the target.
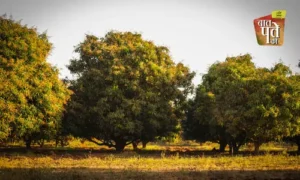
198,33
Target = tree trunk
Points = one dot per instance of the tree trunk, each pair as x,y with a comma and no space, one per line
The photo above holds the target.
28,143
120,145
56,142
62,142
135,145
144,143
234,148
223,145
256,147
230,149
298,144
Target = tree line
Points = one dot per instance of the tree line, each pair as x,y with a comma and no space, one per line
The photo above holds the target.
128,90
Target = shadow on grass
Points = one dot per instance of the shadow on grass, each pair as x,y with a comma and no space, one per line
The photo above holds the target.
83,153
94,173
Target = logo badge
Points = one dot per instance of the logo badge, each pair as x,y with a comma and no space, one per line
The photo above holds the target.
270,29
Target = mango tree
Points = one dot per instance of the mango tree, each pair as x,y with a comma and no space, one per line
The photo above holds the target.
252,104
127,90
32,97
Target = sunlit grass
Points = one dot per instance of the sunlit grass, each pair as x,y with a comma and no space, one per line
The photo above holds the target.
154,162
265,162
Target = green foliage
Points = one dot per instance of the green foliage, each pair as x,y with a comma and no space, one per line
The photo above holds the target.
254,104
31,95
274,104
127,89
200,124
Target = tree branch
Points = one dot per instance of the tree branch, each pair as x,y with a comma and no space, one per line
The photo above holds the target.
101,144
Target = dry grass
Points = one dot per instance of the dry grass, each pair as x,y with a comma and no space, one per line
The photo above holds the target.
131,166
84,160
173,163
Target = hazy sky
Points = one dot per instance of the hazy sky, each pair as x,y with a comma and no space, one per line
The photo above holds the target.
197,32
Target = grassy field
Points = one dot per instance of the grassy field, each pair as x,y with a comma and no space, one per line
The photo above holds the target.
170,161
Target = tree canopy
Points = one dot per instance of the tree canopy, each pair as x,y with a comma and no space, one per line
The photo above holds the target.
31,95
127,89
252,104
